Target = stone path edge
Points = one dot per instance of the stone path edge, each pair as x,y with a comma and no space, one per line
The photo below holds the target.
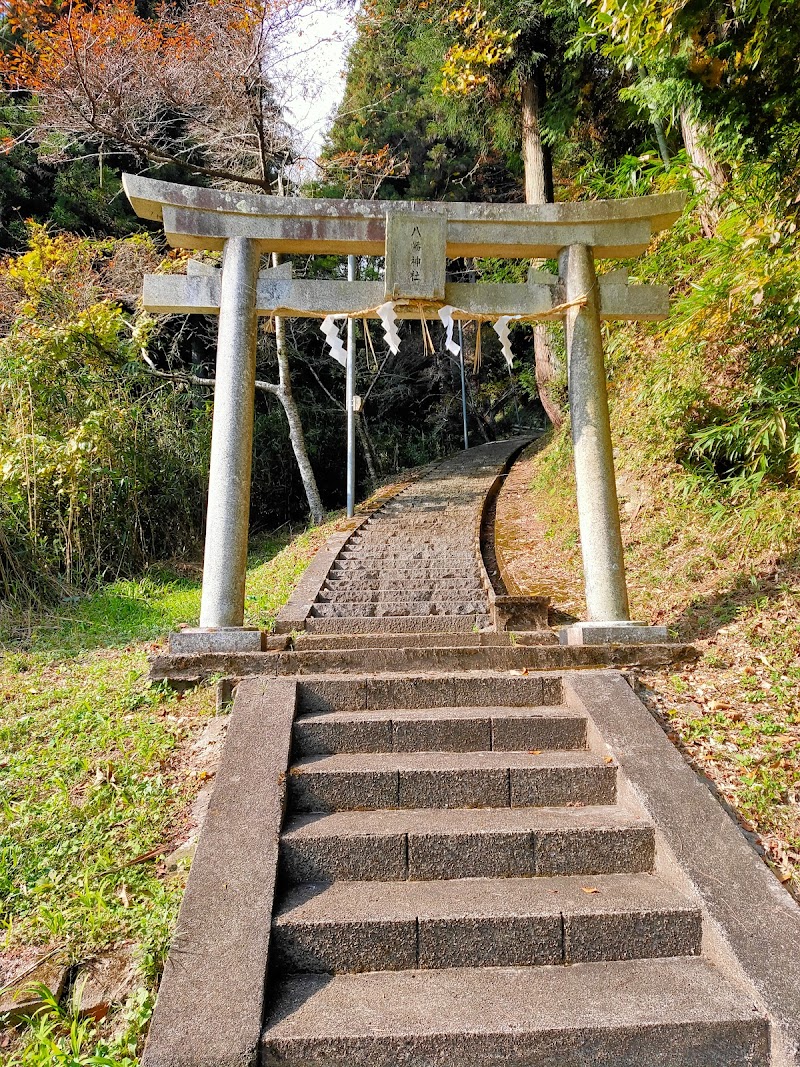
753,923
185,670
211,998
507,611
294,613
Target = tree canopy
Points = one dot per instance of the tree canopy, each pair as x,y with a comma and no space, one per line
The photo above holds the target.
444,99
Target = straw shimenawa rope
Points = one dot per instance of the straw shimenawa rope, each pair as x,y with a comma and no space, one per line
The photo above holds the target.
422,306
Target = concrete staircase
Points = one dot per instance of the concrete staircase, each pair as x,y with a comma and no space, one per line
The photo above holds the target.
462,885
432,843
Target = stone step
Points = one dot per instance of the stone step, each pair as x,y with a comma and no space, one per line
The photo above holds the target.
387,554
355,624
348,642
418,565
446,534
443,536
482,922
329,642
421,570
373,781
426,692
422,535
397,608
419,591
422,588
434,545
465,843
440,730
634,1013
546,655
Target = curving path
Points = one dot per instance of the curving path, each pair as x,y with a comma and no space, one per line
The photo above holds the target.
417,557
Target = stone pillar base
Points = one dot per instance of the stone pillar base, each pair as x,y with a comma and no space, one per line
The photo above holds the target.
613,633
216,639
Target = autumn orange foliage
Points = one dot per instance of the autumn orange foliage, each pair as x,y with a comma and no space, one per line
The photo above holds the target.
190,85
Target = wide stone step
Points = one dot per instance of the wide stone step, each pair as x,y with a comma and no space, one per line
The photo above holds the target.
329,642
440,730
361,593
397,608
634,1013
465,843
545,655
372,781
482,922
387,624
420,569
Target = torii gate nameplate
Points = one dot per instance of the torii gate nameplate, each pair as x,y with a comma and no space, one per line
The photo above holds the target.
416,239
416,256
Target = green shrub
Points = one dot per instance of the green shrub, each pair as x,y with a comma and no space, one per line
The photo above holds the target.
102,465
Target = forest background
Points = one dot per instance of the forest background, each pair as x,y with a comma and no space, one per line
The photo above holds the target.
105,410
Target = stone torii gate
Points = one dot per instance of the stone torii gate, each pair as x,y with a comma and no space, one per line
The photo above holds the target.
416,238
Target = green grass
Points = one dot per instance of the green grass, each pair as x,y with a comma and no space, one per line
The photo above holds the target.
94,775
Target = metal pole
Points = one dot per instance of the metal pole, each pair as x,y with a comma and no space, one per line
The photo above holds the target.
463,381
225,563
350,389
598,508
514,394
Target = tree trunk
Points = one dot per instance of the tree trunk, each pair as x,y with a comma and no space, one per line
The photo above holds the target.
663,148
532,146
539,190
709,177
366,446
296,435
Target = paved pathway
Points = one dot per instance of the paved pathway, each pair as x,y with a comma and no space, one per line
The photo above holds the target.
416,557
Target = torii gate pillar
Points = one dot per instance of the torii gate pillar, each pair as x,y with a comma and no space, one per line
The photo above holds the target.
607,604
598,508
225,559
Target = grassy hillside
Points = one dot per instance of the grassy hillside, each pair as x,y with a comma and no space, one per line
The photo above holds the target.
727,580
98,772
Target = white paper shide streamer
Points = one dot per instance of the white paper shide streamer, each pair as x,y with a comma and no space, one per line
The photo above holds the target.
331,330
386,314
501,329
446,315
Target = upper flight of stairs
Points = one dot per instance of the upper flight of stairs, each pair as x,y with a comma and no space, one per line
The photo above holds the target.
462,885
415,558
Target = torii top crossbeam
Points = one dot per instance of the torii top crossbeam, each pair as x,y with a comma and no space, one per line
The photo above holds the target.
416,238
204,218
